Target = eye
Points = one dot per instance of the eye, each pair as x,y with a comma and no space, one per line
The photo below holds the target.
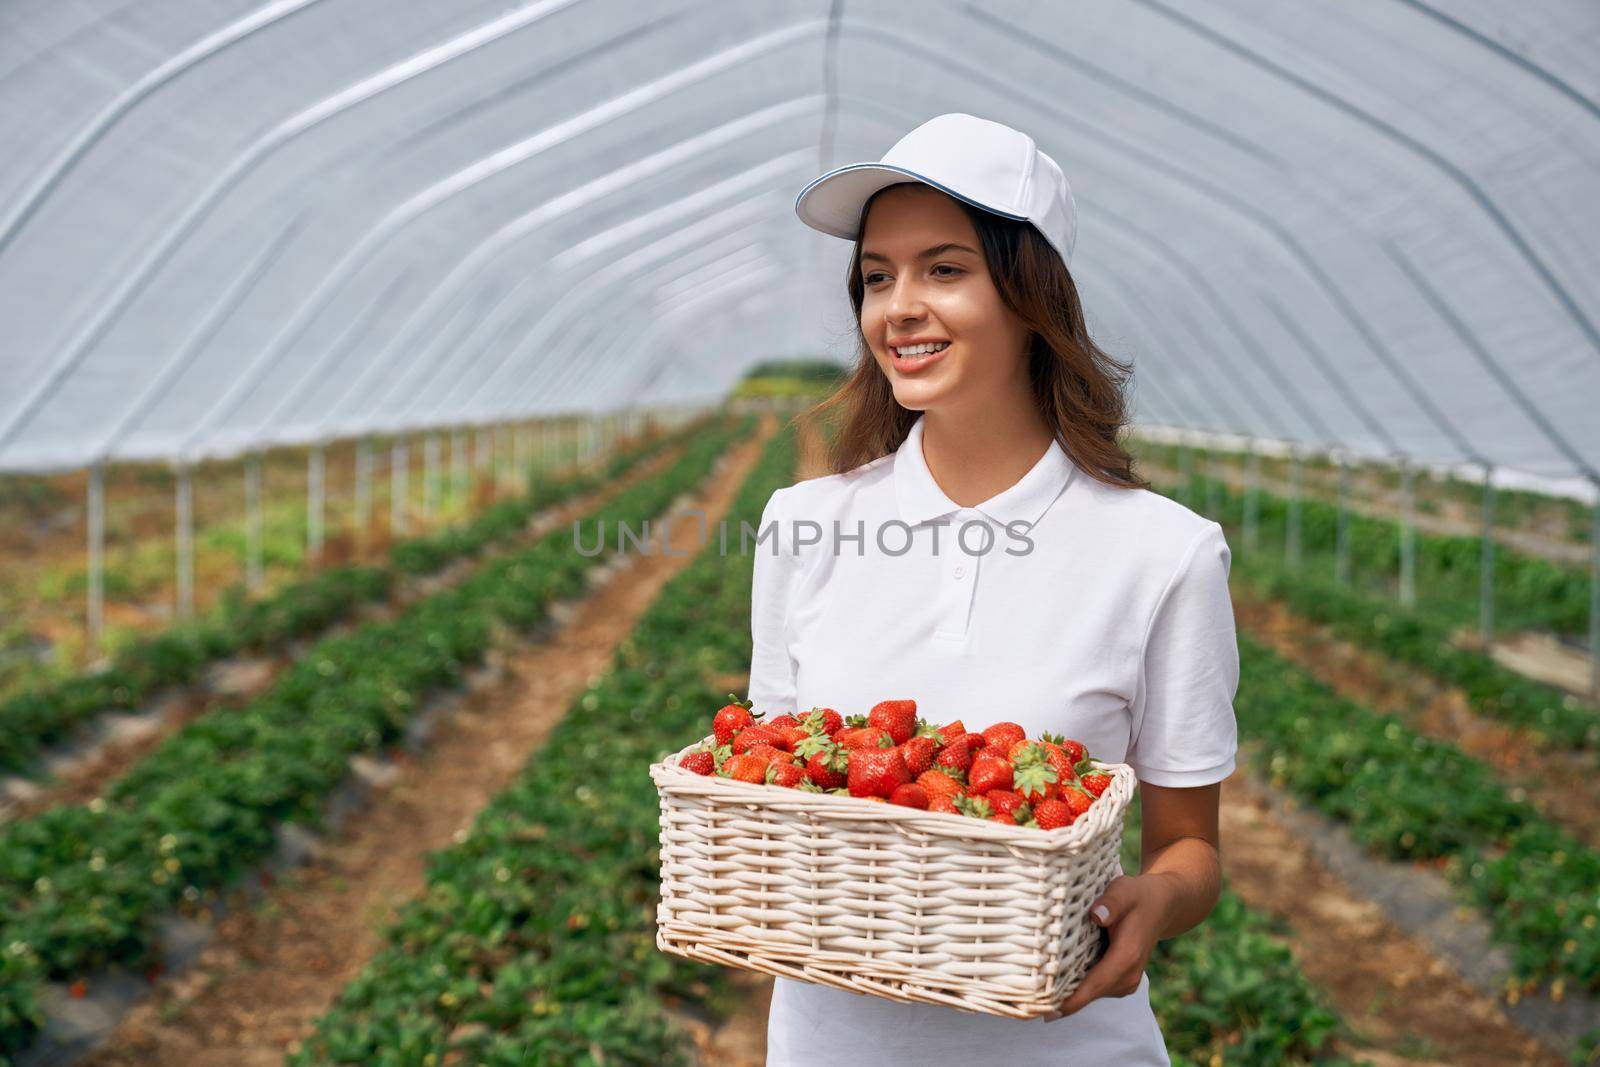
946,266
867,280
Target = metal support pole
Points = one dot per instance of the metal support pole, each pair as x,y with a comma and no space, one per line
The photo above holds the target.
1408,538
185,524
458,469
1594,598
483,452
430,476
1291,548
1213,485
1184,466
1486,568
315,468
1252,502
97,556
399,471
363,491
1341,559
253,569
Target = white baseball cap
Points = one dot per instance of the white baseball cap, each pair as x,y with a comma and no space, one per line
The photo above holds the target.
987,164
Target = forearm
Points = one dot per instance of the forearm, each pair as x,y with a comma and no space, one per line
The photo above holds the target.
1192,871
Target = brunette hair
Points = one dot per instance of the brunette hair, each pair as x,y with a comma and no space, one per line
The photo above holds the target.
1078,387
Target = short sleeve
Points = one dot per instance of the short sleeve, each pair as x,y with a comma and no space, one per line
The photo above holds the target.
772,670
1184,731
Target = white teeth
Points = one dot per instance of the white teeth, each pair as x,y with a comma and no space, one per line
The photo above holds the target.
921,350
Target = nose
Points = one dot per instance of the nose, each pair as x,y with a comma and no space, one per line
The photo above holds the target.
905,299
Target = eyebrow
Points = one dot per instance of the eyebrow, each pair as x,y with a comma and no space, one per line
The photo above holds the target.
948,246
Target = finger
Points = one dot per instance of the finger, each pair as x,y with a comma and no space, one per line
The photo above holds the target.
1111,972
1116,901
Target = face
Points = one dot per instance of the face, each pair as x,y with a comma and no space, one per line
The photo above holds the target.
910,294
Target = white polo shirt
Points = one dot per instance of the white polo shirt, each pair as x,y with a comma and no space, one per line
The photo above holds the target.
1107,619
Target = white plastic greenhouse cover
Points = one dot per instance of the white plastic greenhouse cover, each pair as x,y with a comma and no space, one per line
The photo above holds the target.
1371,225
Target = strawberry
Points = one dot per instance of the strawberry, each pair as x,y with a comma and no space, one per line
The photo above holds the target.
751,736
823,720
919,752
975,807
946,804
910,795
1096,782
1053,814
784,720
1060,759
700,761
897,718
733,717
862,737
827,767
939,783
787,775
955,757
1003,816
1073,750
1076,798
1004,800
952,731
746,768
1032,774
79,988
1002,735
770,753
973,743
792,736
875,772
989,772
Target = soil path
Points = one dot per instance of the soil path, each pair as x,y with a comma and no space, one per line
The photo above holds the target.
1561,784
1403,1004
274,967
237,682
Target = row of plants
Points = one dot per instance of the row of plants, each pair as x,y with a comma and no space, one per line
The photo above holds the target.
1550,716
32,720
534,940
84,885
1416,798
1530,593
1230,990
1513,509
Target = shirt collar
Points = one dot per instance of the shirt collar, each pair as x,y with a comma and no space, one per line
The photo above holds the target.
920,498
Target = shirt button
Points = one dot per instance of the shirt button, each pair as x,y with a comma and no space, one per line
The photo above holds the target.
961,571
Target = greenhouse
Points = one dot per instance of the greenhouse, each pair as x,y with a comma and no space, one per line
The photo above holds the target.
335,329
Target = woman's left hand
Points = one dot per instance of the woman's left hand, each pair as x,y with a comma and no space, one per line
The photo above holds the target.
1135,908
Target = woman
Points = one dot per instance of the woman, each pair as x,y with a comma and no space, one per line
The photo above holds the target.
1098,610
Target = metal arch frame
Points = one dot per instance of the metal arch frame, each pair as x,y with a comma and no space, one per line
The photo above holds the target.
610,367
305,119
483,254
1489,363
654,324
1155,165
797,26
213,44
735,214
1110,285
572,368
464,180
1394,134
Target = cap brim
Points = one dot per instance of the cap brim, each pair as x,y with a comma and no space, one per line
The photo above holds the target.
832,202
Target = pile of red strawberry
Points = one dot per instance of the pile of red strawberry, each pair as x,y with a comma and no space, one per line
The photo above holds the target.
891,755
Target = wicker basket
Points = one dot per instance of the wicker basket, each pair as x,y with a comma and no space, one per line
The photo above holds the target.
877,898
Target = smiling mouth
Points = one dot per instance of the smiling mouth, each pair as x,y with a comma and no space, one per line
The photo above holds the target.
912,363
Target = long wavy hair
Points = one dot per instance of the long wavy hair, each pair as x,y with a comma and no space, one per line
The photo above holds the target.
1080,390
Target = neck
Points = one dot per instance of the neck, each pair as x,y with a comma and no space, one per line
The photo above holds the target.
975,456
